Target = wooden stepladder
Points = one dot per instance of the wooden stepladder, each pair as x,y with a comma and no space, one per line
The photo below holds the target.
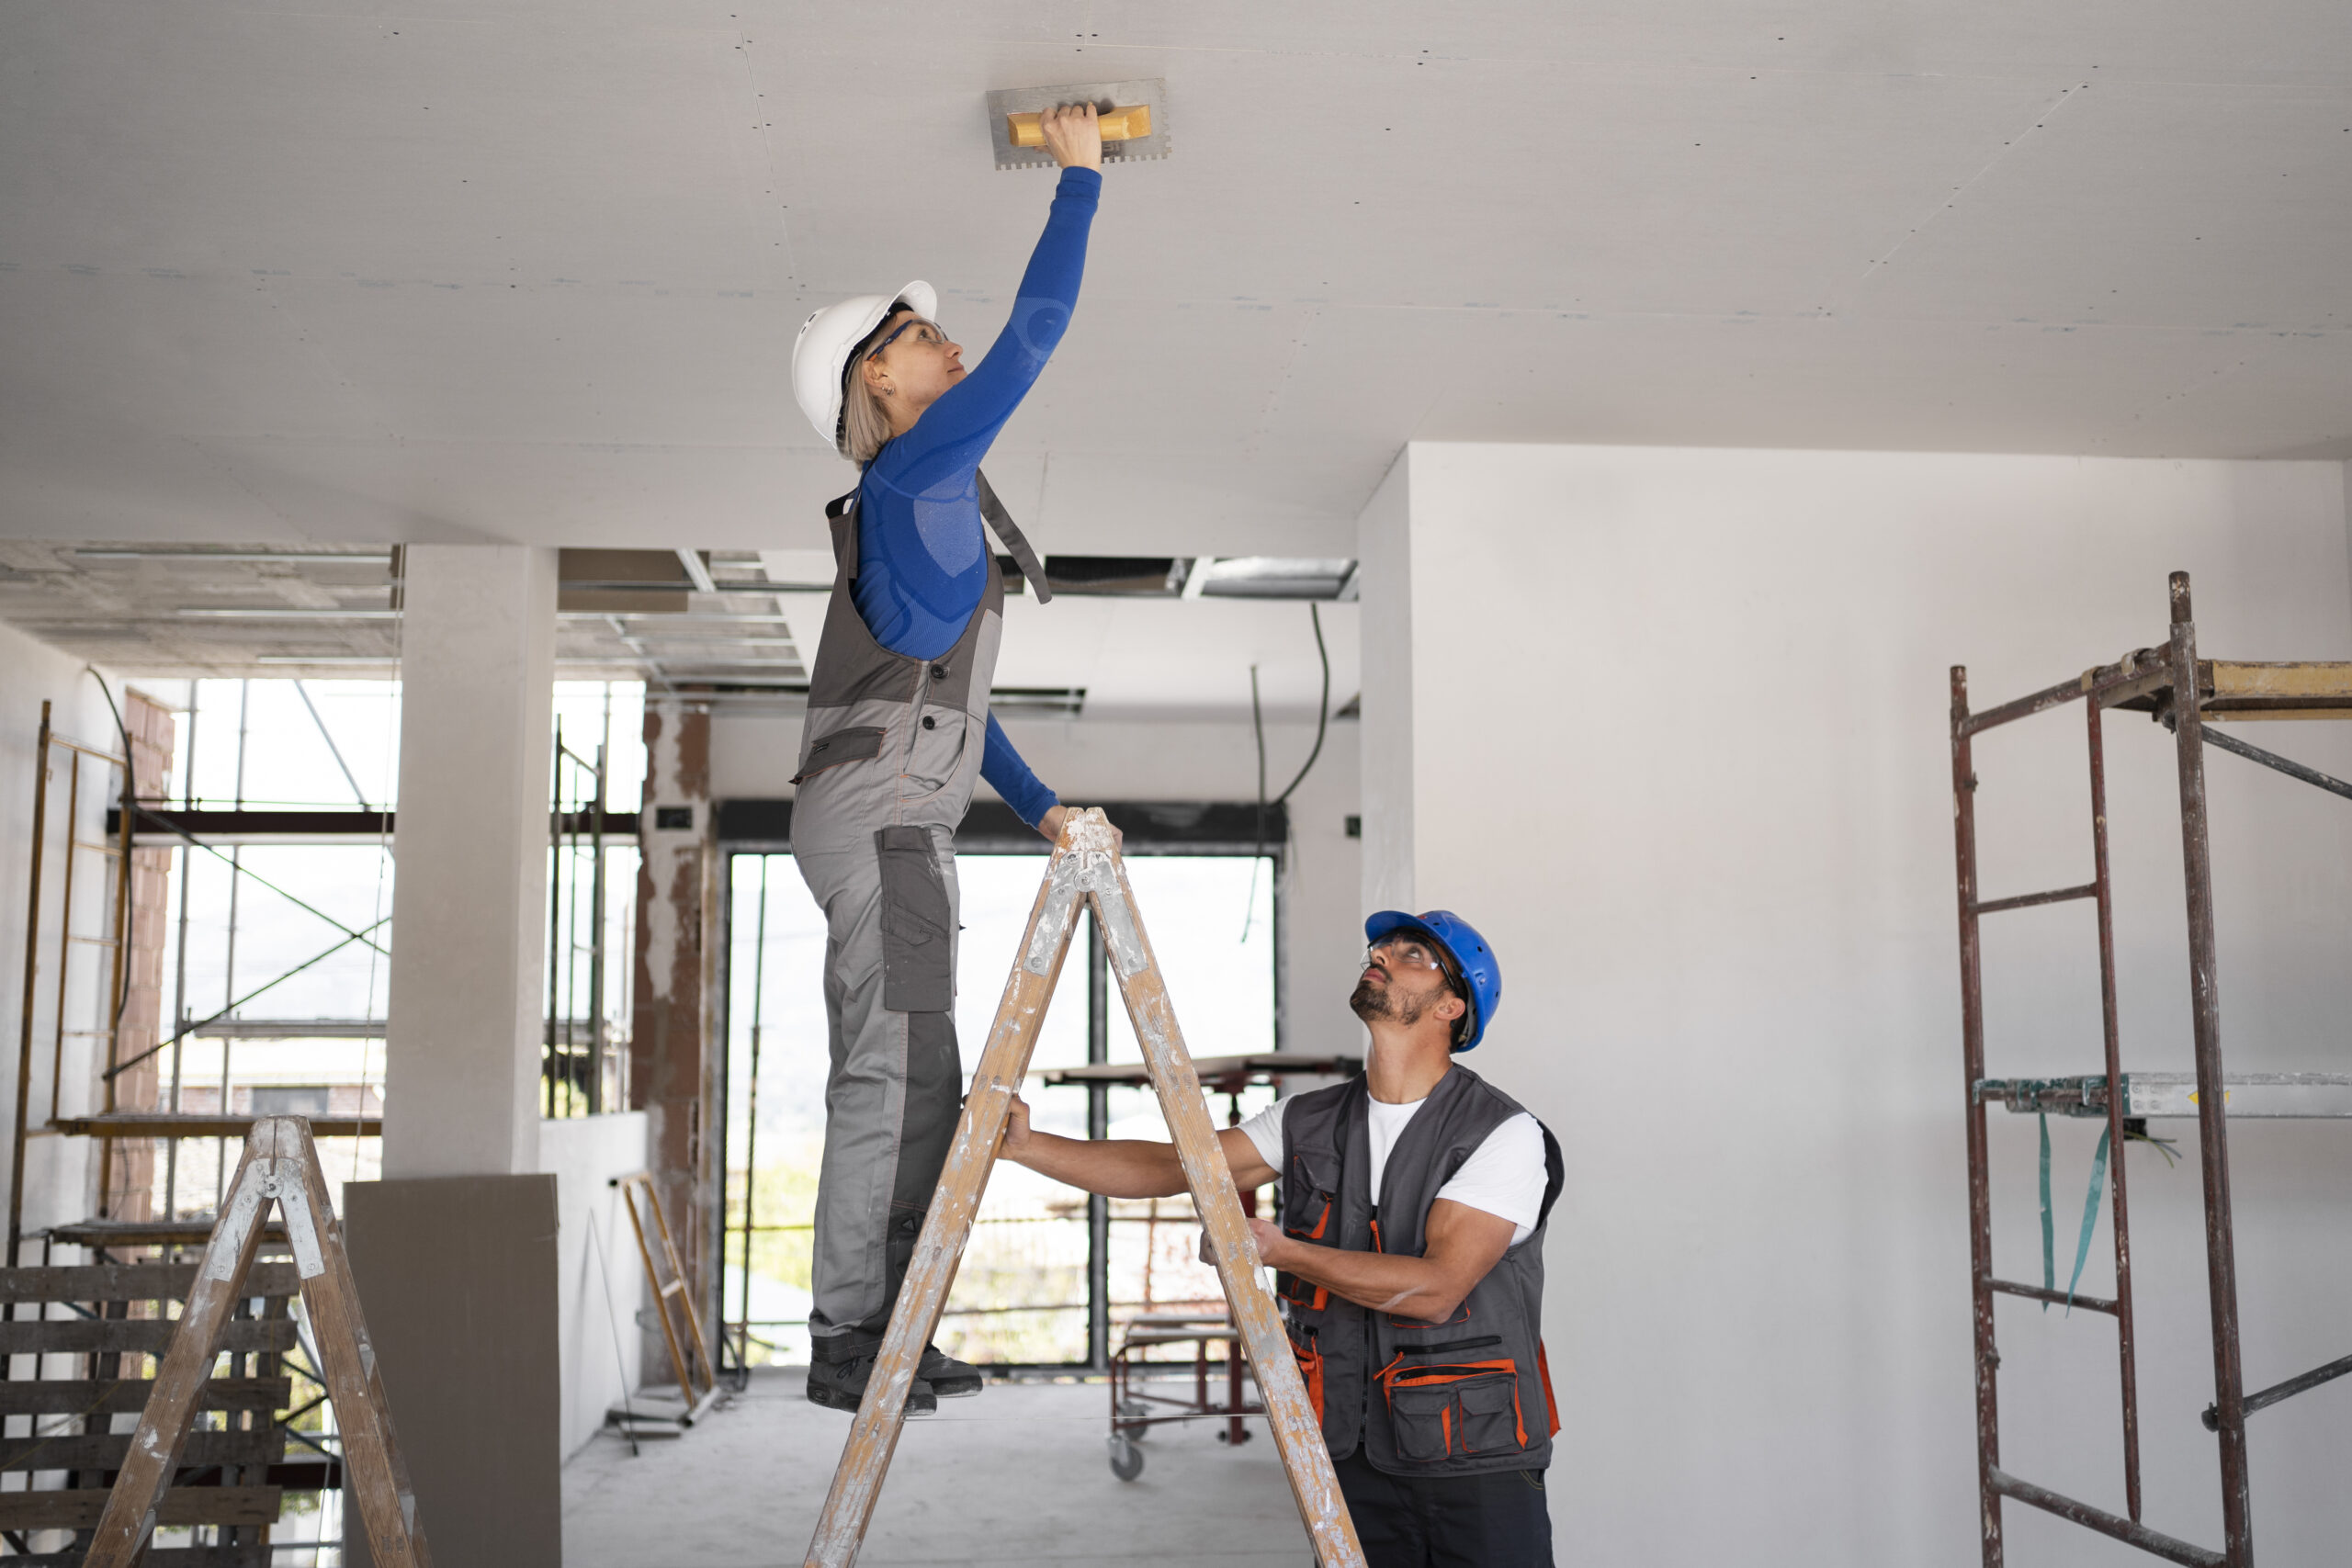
672,1298
1086,869
280,1168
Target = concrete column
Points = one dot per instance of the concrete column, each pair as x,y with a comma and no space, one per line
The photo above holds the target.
469,899
676,1057
454,1251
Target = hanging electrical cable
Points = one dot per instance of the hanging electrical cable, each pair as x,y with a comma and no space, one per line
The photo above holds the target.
1322,717
1257,730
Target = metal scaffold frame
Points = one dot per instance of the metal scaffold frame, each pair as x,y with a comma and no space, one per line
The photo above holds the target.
2150,680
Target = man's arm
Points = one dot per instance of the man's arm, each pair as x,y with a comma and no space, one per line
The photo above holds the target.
1463,1243
1123,1167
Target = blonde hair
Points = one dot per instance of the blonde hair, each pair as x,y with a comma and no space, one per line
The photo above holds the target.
865,429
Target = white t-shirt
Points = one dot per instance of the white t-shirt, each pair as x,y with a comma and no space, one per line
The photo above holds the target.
1504,1176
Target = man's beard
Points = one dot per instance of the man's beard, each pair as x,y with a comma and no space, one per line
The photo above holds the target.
1368,1003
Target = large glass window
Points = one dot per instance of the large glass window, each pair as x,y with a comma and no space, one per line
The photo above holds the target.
1022,1295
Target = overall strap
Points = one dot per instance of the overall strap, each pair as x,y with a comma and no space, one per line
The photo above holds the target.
840,515
1015,542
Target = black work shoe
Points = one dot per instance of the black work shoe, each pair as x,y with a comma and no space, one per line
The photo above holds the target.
837,1381
948,1378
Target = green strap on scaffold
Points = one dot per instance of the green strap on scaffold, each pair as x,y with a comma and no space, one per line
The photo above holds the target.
2090,1217
2049,1265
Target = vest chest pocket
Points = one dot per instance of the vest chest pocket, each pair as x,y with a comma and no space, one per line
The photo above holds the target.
1457,1411
1309,1203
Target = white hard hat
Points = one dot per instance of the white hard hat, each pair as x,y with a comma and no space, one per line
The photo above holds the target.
820,353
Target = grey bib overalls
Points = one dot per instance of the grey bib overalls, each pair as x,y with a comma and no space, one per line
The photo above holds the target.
888,761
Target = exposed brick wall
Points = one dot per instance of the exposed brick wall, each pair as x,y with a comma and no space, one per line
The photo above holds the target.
129,1177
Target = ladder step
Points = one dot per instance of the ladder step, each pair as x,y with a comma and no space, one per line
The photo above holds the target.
2027,900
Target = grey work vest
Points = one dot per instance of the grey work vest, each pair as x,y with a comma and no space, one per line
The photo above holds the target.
891,740
1454,1398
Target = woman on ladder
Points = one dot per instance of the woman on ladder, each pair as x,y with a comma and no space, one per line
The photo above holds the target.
898,729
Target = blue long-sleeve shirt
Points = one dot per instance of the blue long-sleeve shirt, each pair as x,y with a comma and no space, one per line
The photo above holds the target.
923,559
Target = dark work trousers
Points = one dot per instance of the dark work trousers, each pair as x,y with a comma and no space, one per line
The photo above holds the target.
1499,1519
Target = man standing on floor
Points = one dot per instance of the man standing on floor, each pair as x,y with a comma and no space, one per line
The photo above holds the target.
1410,1256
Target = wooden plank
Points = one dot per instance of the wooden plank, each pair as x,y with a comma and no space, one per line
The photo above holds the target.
1306,1462
374,1476
255,1555
82,1509
130,1282
155,1448
59,1396
2305,680
136,1336
100,1450
873,1436
629,1187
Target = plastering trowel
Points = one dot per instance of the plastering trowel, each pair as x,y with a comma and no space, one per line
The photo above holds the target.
1135,120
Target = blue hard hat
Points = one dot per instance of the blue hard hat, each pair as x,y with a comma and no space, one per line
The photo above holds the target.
1469,951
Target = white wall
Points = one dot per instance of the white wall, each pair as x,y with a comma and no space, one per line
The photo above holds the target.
1679,747
600,1276
58,1171
1087,759
468,992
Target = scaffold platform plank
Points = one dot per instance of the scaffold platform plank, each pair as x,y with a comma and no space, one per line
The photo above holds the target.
201,1124
2257,1096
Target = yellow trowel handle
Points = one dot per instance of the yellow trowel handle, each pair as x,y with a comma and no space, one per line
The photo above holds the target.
1132,124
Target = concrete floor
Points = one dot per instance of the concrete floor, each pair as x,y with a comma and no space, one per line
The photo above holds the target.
1020,1474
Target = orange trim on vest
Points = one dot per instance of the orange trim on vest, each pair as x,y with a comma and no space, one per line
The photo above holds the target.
1544,1370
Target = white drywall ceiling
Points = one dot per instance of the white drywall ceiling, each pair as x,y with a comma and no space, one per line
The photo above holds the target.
517,270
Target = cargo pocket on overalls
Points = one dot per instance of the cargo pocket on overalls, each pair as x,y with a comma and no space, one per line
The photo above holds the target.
917,974
856,744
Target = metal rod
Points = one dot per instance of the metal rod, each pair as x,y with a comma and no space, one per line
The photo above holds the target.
2111,1033
64,931
179,979
1098,1126
2027,900
2055,1297
119,987
555,923
168,826
2024,708
598,908
229,973
752,1108
204,1026
2288,766
1980,1189
32,982
596,936
2288,1390
2212,1120
333,750
2155,1541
